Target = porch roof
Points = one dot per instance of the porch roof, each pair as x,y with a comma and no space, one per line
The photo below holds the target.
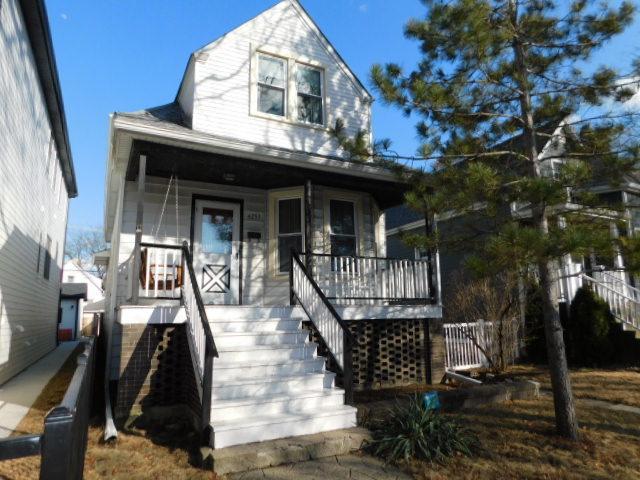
172,146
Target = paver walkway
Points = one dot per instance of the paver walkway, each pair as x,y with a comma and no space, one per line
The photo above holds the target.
18,394
348,467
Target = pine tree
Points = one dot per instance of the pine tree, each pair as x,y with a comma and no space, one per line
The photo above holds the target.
494,81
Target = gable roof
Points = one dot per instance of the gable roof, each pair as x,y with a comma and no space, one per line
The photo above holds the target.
313,26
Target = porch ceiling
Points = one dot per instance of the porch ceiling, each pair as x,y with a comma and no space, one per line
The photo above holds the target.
163,160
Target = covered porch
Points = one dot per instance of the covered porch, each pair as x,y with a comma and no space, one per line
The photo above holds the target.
241,217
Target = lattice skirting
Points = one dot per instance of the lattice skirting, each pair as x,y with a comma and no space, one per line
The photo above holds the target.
392,352
155,370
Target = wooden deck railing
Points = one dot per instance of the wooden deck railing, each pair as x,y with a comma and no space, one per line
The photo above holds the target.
161,271
201,342
355,280
324,318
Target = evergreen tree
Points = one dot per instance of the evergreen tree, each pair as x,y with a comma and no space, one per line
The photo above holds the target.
498,79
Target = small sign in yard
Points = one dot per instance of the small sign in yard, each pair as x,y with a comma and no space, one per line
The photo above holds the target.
431,401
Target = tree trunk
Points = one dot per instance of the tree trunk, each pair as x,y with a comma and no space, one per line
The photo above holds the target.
566,422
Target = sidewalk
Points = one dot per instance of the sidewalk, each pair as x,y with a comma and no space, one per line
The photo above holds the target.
19,393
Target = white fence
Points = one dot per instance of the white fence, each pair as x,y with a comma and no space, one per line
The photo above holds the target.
462,353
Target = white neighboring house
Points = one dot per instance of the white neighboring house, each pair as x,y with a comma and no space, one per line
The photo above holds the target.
79,305
206,198
37,181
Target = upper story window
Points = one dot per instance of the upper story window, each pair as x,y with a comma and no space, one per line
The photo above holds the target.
309,89
272,85
289,88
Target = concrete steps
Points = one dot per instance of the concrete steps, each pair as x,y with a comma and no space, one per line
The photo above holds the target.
268,382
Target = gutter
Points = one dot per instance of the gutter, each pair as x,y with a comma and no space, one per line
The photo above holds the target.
35,18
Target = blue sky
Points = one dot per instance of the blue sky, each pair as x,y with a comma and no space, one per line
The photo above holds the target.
124,55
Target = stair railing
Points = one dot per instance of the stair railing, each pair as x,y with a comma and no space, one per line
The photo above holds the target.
625,308
201,343
327,322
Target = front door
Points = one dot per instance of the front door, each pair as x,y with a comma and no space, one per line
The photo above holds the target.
216,251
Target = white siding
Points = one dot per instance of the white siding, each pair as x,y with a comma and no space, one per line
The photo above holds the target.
31,205
223,92
185,95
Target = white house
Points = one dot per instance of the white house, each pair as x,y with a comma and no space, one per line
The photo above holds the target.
78,305
206,199
37,182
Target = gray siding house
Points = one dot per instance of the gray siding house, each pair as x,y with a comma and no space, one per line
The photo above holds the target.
37,181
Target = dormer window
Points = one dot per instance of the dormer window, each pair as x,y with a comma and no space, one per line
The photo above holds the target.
309,88
272,85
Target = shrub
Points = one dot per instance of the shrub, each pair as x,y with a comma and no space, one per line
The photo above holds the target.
590,330
411,431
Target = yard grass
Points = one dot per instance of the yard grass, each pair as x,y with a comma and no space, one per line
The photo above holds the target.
157,451
33,422
616,386
518,441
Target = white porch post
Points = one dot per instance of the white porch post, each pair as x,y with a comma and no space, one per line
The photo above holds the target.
308,226
142,170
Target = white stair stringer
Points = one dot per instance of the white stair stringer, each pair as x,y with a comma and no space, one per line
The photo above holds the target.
268,381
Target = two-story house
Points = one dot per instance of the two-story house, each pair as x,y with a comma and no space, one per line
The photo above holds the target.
234,219
36,182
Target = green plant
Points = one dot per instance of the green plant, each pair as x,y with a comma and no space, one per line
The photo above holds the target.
590,330
411,431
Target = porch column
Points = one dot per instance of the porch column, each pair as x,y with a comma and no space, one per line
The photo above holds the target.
137,250
432,255
308,226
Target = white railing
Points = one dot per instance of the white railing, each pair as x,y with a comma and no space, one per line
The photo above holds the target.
161,271
462,352
625,307
332,329
617,280
371,280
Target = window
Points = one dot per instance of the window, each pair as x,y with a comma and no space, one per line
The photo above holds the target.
309,88
47,259
71,279
272,85
289,230
39,253
342,228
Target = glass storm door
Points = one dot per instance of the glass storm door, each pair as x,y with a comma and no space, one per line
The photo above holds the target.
216,251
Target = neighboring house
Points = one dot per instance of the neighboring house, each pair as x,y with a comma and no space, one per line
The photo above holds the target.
37,181
72,299
83,307
607,275
243,168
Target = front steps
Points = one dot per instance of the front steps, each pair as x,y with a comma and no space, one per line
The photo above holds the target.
268,382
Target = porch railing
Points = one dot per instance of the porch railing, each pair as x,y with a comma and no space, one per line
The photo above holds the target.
161,271
355,280
201,342
63,444
462,342
625,307
328,323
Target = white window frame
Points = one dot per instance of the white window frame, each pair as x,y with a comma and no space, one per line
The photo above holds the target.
284,89
275,197
322,95
291,92
344,196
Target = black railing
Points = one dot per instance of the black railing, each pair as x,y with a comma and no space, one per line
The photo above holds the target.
63,444
329,325
201,342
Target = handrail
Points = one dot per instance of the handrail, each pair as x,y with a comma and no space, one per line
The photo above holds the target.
615,279
205,371
344,360
161,245
625,308
362,257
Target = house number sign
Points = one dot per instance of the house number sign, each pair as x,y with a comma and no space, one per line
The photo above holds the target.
254,216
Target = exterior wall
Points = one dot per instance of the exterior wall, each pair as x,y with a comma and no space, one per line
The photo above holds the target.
33,205
154,370
223,94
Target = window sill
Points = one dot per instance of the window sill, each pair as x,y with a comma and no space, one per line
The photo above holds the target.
295,123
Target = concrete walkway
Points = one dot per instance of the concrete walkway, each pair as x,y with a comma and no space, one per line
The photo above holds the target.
353,467
18,394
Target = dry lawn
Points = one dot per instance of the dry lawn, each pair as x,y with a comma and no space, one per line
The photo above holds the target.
33,422
518,441
617,386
